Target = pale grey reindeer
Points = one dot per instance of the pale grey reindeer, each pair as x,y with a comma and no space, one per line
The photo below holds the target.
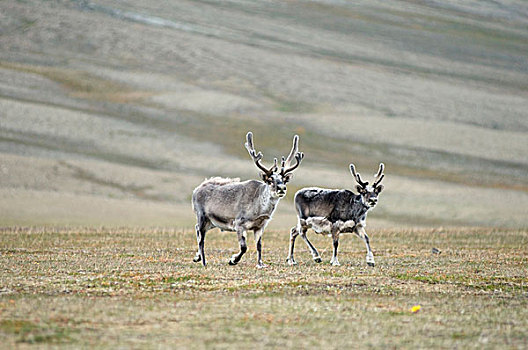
335,211
237,206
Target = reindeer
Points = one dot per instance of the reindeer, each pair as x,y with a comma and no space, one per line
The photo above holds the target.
335,211
237,206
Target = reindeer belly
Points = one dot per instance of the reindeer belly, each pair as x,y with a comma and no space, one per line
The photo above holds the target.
324,226
346,226
223,224
256,223
319,224
232,224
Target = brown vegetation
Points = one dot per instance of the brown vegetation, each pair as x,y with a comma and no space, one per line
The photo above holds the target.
104,287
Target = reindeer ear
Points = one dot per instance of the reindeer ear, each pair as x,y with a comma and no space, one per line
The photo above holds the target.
266,178
360,189
378,189
287,178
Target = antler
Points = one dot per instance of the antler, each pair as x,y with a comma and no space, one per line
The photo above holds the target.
293,153
258,156
379,176
357,176
294,150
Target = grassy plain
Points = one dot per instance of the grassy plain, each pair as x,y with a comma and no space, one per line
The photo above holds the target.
112,112
137,288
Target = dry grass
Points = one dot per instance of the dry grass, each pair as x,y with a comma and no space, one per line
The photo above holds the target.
81,84
126,116
138,288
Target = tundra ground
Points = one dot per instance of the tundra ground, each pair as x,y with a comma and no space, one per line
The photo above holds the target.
111,112
139,288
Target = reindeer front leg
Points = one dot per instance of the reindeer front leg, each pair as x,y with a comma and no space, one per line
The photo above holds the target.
335,239
241,233
303,228
360,231
315,254
258,241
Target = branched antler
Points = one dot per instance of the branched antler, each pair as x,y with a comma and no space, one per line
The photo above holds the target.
357,176
379,176
294,153
258,156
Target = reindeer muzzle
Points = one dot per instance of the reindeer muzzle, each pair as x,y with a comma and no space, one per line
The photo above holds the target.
281,191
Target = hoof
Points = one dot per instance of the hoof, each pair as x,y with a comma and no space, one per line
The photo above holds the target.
318,260
232,263
261,266
370,259
197,259
291,262
335,262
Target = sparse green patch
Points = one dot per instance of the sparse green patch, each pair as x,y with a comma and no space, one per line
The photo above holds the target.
32,332
290,106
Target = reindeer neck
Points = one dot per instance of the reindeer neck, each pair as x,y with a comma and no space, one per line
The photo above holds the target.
362,208
267,200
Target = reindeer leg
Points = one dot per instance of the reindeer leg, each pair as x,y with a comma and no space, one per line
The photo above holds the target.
335,239
241,233
258,240
198,256
315,253
294,232
201,229
360,231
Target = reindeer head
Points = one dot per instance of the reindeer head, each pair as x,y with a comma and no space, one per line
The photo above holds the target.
276,178
369,194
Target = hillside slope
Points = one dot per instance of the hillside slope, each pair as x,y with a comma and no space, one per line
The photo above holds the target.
112,111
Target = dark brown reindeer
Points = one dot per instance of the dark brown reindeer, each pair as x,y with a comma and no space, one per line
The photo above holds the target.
237,206
335,211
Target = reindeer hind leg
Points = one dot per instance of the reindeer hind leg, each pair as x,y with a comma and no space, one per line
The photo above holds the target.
201,229
197,256
294,232
241,233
